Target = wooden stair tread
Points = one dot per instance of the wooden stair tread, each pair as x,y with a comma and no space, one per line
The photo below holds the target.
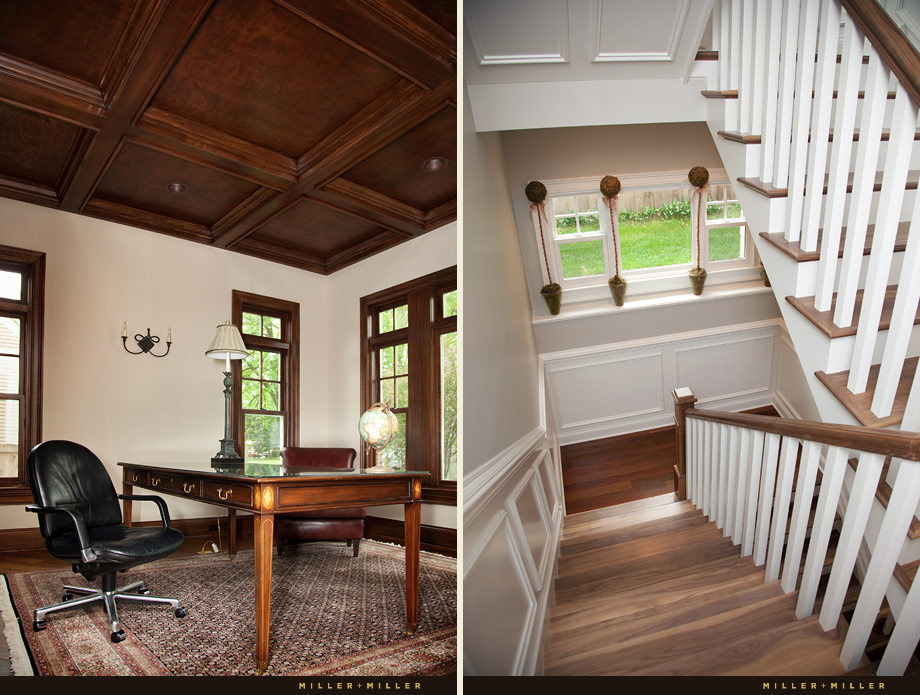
824,320
707,55
591,541
752,139
606,514
859,404
905,574
733,94
794,250
768,190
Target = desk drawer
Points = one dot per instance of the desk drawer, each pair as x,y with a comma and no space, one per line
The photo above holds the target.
136,477
176,485
226,492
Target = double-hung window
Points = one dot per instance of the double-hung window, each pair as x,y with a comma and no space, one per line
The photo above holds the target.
22,282
650,235
266,382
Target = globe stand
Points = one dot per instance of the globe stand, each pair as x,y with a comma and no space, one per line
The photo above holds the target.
384,409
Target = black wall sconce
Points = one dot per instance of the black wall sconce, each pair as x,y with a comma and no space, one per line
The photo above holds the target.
146,343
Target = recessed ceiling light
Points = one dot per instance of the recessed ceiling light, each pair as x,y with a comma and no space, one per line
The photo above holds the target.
177,187
433,164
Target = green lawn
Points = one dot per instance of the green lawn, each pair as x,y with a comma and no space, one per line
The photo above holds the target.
648,244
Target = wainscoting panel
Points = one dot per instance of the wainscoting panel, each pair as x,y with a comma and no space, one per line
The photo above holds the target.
608,390
511,538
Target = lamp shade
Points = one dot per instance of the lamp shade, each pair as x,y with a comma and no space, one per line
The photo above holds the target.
227,343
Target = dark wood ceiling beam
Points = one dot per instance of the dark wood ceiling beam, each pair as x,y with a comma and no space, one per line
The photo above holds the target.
236,225
385,211
196,143
441,215
74,157
252,207
358,252
418,28
158,45
133,217
119,62
371,129
43,91
271,252
28,192
379,38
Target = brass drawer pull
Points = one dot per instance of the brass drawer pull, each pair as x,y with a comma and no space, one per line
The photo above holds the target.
154,482
188,487
135,477
224,496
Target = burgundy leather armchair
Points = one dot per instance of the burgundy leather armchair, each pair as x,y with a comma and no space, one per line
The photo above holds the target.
324,524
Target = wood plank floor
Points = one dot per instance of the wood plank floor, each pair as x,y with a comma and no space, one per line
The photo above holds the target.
660,591
616,470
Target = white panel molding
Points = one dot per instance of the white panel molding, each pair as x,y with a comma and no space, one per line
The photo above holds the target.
560,54
531,481
500,523
732,395
668,54
480,484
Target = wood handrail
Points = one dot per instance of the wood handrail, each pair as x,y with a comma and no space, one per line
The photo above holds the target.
898,443
892,46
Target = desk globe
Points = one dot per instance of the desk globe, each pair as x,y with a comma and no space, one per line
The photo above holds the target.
377,427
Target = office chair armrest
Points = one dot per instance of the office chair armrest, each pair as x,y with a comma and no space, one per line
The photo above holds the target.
86,550
164,510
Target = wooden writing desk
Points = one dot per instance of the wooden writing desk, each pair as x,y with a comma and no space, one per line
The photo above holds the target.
266,495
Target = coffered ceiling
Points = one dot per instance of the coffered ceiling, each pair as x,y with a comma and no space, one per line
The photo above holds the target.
306,132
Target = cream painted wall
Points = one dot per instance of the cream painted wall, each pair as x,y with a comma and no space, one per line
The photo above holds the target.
147,410
430,252
500,369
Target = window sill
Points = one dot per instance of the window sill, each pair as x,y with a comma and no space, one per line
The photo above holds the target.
600,306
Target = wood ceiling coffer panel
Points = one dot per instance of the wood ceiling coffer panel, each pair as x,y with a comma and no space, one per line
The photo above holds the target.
77,39
396,170
315,229
139,178
258,72
43,146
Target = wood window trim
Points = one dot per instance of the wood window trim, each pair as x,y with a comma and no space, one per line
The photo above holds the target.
32,308
421,295
289,343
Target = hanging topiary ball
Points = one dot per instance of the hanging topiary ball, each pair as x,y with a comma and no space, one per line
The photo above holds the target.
610,186
699,176
535,192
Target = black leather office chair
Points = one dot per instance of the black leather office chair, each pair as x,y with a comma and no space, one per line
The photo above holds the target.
80,520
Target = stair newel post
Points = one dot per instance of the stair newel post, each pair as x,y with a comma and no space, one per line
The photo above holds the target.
683,401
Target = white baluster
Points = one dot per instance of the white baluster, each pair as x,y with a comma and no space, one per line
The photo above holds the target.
787,88
911,419
859,505
781,506
841,151
870,132
821,123
731,485
725,24
905,493
774,28
746,88
759,55
734,69
722,488
801,120
750,512
708,458
689,455
804,494
903,640
902,321
765,507
740,493
834,468
900,145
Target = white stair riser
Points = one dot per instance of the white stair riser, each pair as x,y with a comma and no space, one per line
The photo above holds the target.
840,350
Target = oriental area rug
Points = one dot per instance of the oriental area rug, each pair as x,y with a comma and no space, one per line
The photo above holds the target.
332,615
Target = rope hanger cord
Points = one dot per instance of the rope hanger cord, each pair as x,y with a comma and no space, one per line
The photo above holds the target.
541,213
611,203
700,192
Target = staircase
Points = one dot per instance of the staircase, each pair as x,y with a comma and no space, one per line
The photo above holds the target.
638,593
814,109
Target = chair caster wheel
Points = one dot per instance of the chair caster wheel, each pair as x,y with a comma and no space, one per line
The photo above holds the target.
39,625
181,613
118,636
67,596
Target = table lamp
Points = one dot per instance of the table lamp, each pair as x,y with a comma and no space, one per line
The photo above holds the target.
377,427
227,344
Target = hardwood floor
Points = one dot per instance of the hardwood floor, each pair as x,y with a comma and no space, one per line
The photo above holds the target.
616,470
660,591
